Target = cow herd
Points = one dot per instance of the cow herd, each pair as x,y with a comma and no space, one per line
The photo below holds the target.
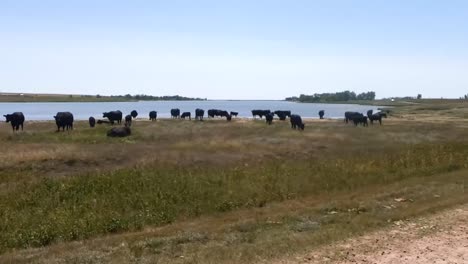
360,119
64,120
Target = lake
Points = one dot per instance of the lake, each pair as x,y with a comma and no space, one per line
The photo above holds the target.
82,111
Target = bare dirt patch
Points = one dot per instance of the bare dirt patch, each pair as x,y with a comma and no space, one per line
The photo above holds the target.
441,238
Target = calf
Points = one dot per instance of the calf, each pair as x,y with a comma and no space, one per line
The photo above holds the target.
128,120
102,122
186,114
234,113
92,121
16,119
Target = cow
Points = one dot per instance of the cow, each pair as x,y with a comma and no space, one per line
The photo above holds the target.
199,113
175,113
128,120
153,115
282,114
269,118
234,113
296,122
349,116
119,132
186,114
369,113
224,113
377,117
213,112
113,116
103,121
321,113
64,120
260,113
360,119
134,113
16,119
92,121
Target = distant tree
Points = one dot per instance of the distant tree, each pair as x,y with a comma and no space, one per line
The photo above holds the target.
419,96
98,96
333,97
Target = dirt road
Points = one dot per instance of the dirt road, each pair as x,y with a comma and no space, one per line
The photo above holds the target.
441,238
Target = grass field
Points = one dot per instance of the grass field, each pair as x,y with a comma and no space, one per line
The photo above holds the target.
218,192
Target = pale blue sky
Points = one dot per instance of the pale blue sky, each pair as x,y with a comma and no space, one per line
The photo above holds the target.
265,49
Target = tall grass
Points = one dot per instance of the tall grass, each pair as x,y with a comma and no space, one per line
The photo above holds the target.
64,209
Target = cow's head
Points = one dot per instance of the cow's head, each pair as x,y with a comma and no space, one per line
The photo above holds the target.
105,114
302,126
7,118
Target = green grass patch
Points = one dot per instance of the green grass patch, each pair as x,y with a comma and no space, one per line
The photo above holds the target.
84,206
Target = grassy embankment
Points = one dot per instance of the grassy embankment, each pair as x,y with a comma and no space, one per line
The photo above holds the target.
180,191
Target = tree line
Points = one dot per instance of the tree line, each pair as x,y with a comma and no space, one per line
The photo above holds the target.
144,97
332,97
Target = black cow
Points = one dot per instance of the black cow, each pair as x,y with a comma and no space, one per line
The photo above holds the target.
103,121
153,115
92,121
377,117
16,119
321,113
175,113
113,116
64,120
296,122
214,112
350,115
134,113
260,113
282,114
186,114
224,113
369,113
360,120
234,113
199,113
128,120
269,118
119,132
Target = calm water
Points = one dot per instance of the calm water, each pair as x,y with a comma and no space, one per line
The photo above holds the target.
82,111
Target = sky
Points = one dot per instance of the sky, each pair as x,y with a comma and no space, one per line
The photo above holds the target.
235,49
